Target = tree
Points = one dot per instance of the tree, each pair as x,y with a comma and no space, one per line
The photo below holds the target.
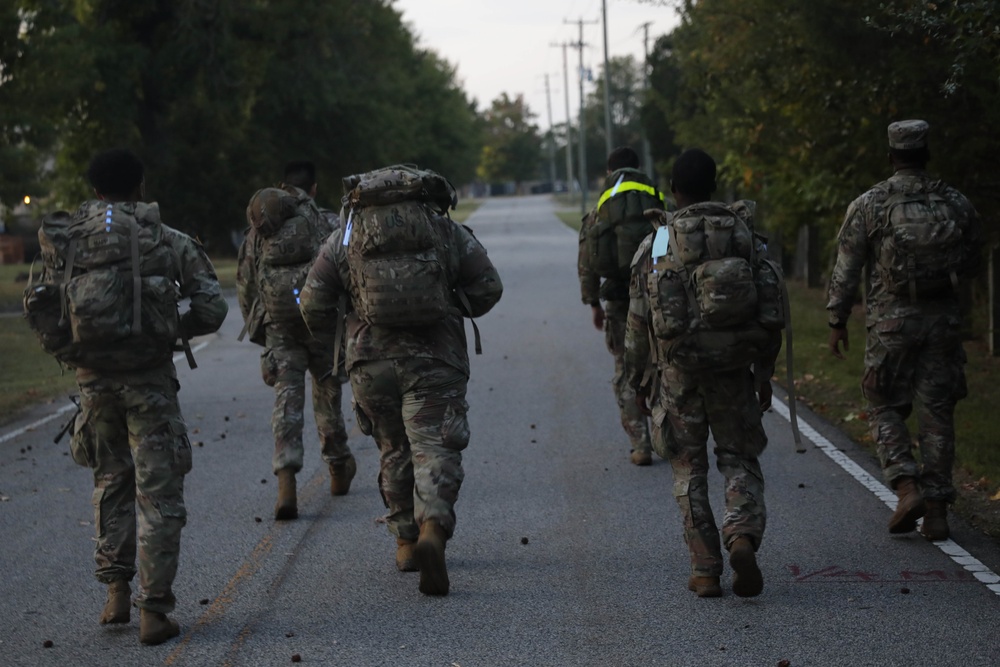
512,144
216,95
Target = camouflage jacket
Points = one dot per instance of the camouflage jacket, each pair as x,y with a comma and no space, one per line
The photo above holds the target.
642,348
859,243
207,307
592,289
247,269
467,266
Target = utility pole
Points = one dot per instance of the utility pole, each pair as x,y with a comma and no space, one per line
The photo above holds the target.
552,134
583,132
609,144
647,153
569,122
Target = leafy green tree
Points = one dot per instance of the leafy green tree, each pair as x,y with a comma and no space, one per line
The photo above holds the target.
216,95
512,143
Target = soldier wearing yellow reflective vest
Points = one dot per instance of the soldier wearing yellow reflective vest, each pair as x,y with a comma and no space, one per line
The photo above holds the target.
609,237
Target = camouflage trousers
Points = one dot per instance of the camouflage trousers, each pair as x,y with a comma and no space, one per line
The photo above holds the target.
418,417
284,363
633,421
724,402
907,358
131,434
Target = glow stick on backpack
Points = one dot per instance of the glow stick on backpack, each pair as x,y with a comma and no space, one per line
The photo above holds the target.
614,190
347,228
660,243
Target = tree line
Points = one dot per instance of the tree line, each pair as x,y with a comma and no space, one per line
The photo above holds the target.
793,98
216,95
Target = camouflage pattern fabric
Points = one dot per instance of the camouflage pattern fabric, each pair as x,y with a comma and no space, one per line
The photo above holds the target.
131,433
858,244
290,351
686,407
468,267
410,383
907,358
418,412
913,347
633,421
615,311
133,437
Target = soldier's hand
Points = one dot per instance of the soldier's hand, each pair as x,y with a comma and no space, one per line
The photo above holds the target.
598,314
764,394
836,337
641,401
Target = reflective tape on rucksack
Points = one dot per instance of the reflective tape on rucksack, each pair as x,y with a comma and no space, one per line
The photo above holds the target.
625,187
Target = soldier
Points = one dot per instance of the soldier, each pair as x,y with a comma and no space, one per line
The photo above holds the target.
918,239
626,182
130,430
701,386
409,382
272,315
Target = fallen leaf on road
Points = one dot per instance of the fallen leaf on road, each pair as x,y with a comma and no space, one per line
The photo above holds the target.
995,496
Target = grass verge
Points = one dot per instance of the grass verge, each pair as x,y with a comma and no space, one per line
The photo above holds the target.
27,375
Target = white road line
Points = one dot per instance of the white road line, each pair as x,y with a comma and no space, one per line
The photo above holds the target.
66,408
885,494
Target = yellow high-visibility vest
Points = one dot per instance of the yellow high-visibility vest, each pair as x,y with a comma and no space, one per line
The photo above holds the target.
625,187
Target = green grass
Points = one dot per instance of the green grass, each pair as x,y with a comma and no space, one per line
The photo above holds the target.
11,290
27,375
466,207
568,208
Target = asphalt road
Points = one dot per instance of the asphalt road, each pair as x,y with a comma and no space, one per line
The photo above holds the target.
565,554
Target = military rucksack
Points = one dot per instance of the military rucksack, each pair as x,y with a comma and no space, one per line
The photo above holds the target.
621,224
921,252
290,235
714,297
394,254
108,297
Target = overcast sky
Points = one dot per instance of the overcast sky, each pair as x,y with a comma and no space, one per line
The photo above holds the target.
504,46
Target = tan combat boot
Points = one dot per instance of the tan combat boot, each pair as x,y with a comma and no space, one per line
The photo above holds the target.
118,607
748,582
935,526
429,554
705,587
287,506
341,475
641,458
405,561
909,508
155,628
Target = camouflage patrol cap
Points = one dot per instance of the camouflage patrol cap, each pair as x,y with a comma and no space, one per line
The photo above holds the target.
908,134
269,208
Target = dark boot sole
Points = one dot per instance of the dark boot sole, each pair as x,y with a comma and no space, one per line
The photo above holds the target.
286,513
906,522
748,582
433,571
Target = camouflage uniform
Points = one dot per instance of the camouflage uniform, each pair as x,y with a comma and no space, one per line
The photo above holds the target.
131,433
290,350
913,349
685,407
615,296
409,384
